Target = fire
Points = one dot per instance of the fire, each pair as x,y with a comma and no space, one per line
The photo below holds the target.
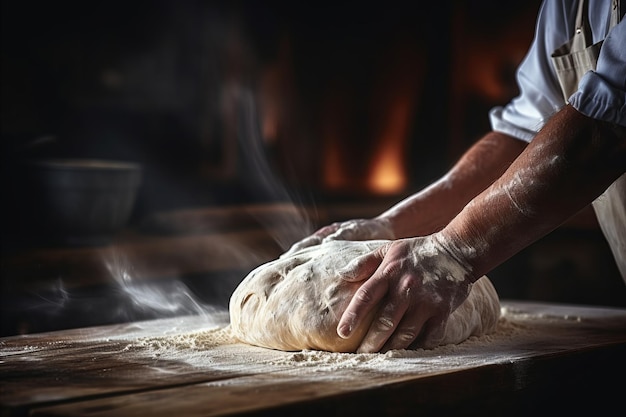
387,173
384,170
361,129
375,164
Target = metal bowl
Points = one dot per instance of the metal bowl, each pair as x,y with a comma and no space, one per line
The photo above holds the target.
81,201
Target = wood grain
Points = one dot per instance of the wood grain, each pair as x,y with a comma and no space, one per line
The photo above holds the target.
106,371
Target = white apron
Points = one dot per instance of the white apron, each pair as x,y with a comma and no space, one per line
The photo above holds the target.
571,62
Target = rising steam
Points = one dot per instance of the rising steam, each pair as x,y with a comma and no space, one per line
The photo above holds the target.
167,298
264,179
172,297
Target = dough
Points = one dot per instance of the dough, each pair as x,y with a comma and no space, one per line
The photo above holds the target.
295,302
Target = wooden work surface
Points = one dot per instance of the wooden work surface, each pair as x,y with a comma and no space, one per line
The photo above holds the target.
541,357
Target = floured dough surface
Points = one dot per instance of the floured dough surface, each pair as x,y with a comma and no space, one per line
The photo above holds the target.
295,302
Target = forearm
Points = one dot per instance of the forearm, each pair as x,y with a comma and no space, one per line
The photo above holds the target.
432,209
569,163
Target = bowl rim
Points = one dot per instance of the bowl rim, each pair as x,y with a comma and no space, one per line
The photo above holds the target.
84,164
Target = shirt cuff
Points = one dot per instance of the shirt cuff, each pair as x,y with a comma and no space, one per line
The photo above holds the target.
500,124
599,100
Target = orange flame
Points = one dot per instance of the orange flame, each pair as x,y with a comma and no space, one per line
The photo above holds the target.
387,174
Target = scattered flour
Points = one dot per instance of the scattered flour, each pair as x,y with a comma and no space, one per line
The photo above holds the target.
506,330
195,346
200,340
219,349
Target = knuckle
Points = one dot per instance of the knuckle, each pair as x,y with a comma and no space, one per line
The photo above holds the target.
340,234
333,227
402,338
364,295
406,336
391,269
385,323
407,285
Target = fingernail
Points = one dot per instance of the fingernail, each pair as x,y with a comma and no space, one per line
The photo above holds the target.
349,270
344,331
347,273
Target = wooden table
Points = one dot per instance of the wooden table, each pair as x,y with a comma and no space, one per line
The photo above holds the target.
543,358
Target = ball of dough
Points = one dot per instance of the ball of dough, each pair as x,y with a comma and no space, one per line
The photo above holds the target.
295,302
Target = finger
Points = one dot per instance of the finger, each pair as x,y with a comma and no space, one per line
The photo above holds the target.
432,333
327,230
361,268
304,243
383,327
405,335
315,239
365,299
347,231
391,322
407,332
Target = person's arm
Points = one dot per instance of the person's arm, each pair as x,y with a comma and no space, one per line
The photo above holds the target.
572,160
416,283
432,208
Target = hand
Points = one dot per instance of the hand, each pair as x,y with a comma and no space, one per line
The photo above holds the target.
358,229
415,284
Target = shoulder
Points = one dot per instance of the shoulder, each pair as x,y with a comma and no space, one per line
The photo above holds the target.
600,18
556,21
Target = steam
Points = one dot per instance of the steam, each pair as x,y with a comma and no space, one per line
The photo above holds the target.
285,226
264,179
135,296
167,298
55,301
132,296
172,297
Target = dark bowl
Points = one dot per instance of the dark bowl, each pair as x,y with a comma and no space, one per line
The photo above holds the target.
81,201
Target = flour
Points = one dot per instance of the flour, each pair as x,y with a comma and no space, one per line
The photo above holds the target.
201,340
506,330
194,348
193,345
179,347
218,350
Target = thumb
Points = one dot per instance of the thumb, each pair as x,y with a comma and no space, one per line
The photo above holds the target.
361,268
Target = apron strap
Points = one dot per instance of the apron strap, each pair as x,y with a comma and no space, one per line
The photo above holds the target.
582,33
617,11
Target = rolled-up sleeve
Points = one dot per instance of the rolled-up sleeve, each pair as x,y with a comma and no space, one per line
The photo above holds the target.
601,93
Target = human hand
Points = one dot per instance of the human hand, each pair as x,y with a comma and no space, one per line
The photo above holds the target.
415,284
357,229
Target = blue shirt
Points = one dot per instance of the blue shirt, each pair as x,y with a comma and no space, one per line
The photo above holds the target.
601,93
